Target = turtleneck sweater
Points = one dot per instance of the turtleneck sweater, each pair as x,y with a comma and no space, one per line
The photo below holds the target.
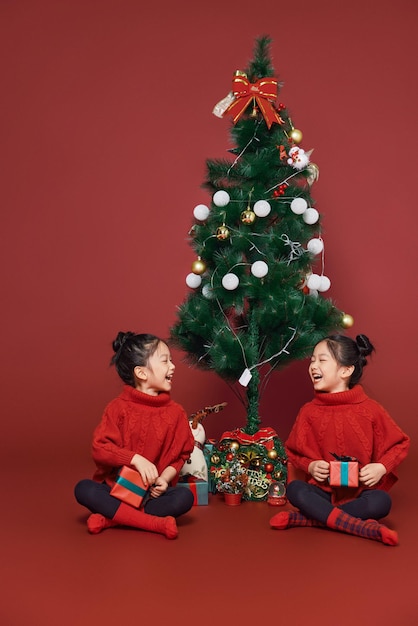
155,427
347,423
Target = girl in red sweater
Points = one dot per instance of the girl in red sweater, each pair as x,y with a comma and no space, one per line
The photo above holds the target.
343,420
145,429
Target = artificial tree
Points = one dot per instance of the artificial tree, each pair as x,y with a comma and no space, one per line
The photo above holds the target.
256,302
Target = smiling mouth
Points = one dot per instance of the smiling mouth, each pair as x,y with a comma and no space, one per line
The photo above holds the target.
317,377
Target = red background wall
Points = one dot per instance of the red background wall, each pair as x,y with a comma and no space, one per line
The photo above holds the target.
106,122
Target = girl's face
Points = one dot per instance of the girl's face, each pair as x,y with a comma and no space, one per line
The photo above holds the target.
156,376
326,373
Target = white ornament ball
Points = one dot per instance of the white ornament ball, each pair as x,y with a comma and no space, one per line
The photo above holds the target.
259,269
298,206
201,212
314,281
221,198
230,281
311,216
261,208
315,246
325,284
193,280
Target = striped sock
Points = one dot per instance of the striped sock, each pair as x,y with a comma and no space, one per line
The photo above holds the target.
369,529
290,519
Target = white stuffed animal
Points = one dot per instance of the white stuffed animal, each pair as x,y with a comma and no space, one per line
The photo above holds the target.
196,464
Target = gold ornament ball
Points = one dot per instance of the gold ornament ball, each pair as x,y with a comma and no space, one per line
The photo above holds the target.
222,233
272,454
198,266
234,445
296,135
215,459
247,216
347,321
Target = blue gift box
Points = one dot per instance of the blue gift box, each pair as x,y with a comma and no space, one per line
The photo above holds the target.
198,487
207,451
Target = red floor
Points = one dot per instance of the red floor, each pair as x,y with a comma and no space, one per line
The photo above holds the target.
226,567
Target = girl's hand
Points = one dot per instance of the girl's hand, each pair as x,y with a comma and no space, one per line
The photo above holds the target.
147,469
371,473
160,486
319,470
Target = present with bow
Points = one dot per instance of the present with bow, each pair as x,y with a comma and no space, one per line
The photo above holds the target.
343,472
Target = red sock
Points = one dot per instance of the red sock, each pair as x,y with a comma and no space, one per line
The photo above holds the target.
369,529
129,516
290,519
96,523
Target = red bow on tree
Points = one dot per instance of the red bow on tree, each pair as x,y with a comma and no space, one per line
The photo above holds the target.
263,92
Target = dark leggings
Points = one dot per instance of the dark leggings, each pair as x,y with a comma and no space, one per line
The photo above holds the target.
96,497
315,503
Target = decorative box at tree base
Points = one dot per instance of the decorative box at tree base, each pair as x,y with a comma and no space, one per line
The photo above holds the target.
261,454
199,488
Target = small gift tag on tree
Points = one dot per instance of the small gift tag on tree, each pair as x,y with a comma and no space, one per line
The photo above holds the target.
245,377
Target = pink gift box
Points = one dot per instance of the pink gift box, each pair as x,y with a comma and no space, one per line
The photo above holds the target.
343,473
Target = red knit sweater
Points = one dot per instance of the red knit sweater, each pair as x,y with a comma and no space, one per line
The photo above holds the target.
155,427
348,423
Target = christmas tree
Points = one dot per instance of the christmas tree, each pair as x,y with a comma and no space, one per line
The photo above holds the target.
255,301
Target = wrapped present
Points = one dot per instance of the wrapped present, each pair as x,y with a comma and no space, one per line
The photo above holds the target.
199,488
129,487
207,451
343,473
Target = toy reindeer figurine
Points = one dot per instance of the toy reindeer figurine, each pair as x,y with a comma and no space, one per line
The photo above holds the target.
196,465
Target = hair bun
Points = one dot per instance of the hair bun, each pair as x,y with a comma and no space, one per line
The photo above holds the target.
121,339
364,345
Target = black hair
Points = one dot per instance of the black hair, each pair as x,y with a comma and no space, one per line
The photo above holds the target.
347,351
131,351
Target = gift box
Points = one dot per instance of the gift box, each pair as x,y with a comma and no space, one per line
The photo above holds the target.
343,473
199,488
208,451
129,487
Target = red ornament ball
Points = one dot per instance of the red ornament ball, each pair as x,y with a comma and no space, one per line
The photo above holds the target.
229,456
269,467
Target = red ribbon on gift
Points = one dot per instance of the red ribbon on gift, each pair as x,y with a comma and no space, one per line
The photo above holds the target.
263,92
264,436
